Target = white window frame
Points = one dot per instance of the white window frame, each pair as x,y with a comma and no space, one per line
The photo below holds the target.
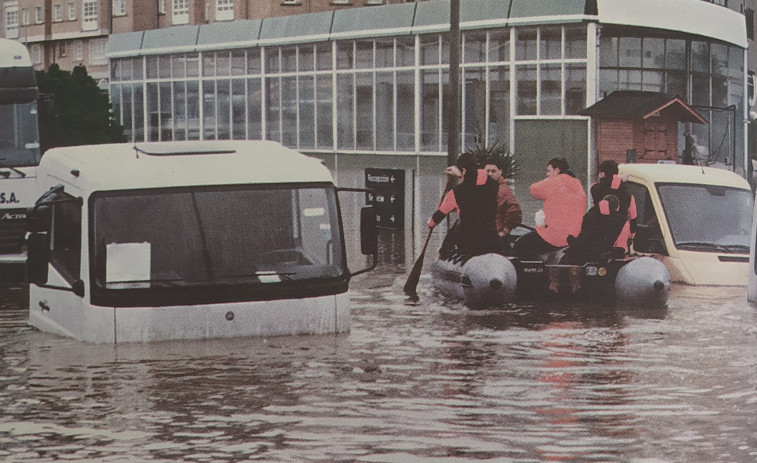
161,6
11,22
291,2
78,50
62,49
36,53
179,12
72,11
89,15
340,2
39,16
25,17
224,10
57,12
119,7
97,52
374,2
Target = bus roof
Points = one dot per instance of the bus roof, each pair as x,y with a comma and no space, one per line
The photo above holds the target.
129,166
679,173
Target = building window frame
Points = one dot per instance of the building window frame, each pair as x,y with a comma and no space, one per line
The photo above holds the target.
36,53
78,50
224,10
119,7
11,22
97,52
72,11
39,16
89,15
179,12
57,12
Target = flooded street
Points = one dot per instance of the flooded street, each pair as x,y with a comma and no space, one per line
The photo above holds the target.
433,383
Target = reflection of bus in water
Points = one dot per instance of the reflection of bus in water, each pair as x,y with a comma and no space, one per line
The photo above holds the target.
19,153
694,219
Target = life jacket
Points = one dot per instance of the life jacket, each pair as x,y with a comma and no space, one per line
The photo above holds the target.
477,205
615,186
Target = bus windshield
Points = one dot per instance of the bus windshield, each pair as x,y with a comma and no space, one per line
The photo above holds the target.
707,217
19,137
240,235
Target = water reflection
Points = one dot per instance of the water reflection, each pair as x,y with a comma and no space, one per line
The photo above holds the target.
433,382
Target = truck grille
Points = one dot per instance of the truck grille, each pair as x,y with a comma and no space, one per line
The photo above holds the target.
12,231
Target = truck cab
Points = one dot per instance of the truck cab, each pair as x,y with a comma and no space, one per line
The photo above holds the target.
695,219
184,240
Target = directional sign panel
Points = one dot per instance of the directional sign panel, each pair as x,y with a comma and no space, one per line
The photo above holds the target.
389,197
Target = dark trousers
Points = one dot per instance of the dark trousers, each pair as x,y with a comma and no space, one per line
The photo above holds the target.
531,246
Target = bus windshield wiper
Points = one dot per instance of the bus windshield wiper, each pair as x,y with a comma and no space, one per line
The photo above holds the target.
702,245
269,276
737,248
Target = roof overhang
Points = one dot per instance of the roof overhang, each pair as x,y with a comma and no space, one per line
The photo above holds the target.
637,105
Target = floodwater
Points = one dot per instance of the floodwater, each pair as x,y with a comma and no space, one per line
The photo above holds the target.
428,383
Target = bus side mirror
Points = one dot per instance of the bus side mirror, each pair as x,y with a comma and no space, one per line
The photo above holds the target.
38,257
368,231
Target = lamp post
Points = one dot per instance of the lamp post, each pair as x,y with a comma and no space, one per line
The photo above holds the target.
453,117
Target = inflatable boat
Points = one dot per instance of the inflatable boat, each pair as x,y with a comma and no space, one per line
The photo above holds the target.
494,280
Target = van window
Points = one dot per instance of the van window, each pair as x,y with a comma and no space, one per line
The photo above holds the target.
65,253
647,217
708,217
644,207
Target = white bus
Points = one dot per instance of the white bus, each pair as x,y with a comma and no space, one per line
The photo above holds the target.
188,240
19,154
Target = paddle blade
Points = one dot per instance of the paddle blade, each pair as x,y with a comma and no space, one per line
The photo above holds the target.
411,284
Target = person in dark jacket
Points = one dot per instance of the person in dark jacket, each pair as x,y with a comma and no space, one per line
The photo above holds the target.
475,198
610,183
599,230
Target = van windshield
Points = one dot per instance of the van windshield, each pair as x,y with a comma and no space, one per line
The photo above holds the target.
215,235
708,218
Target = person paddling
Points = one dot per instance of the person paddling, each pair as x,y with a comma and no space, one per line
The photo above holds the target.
476,200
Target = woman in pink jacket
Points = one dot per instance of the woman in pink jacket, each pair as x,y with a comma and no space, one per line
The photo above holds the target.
564,208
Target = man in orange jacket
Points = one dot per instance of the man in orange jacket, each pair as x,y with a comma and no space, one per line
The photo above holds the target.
564,208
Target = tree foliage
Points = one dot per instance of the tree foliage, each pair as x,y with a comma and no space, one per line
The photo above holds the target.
82,113
495,153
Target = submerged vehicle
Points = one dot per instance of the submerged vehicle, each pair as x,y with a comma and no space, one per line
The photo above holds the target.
493,280
187,240
696,220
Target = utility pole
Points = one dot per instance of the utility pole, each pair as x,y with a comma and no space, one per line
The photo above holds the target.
453,118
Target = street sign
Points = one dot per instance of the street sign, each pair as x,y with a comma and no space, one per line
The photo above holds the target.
389,197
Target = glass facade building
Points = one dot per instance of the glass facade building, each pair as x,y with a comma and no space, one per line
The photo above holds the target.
367,87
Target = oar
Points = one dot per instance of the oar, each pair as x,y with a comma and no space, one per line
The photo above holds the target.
415,274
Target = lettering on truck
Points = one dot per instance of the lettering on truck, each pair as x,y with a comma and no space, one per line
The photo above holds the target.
6,198
13,216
